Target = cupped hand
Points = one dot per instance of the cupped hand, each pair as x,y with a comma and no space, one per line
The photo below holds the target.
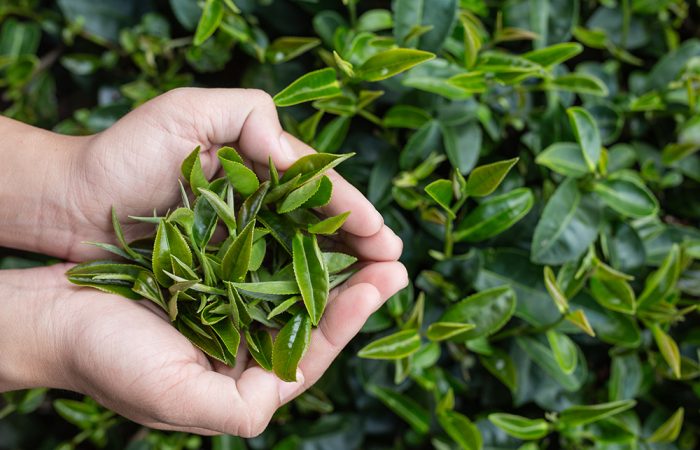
135,164
128,357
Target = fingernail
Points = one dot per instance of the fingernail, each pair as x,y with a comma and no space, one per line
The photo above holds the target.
288,391
286,150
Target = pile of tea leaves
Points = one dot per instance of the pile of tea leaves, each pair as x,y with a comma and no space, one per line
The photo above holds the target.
266,272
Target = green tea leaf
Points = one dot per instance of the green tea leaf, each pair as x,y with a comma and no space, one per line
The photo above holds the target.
322,196
337,262
461,430
388,63
229,337
440,331
212,14
405,116
662,281
485,179
241,177
290,345
329,225
565,158
521,427
249,210
668,348
579,83
260,348
441,192
554,54
587,135
395,346
311,86
236,260
286,48
283,307
564,350
168,242
405,407
614,294
224,212
495,215
669,430
568,225
311,166
579,415
501,366
628,196
299,196
550,282
488,310
193,173
311,275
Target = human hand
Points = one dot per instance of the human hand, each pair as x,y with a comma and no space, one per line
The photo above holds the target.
127,356
134,165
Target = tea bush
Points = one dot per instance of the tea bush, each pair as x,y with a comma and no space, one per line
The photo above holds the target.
538,158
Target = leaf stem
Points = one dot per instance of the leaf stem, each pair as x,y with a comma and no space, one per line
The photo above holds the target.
449,241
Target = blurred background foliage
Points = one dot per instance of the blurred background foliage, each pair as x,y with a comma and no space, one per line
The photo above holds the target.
542,170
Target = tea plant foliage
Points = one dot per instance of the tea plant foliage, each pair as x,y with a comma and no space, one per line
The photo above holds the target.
539,158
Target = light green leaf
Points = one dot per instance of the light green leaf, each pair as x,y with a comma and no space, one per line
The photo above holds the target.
311,86
628,196
460,429
395,346
241,177
209,22
442,192
669,430
662,281
483,180
311,275
236,260
554,54
329,225
564,350
440,331
521,427
391,62
579,415
668,348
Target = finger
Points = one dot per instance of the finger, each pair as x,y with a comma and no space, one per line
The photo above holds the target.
354,302
216,402
221,116
384,245
364,219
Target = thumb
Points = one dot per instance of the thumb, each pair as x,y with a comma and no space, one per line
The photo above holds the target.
246,117
242,407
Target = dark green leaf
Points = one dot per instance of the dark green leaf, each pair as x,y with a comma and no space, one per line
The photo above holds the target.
488,310
290,345
405,407
495,215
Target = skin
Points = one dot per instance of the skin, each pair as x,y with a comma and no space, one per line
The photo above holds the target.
57,192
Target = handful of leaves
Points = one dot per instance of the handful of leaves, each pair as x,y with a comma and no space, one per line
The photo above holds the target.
267,273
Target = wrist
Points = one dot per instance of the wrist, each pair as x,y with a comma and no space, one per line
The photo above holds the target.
34,323
34,179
